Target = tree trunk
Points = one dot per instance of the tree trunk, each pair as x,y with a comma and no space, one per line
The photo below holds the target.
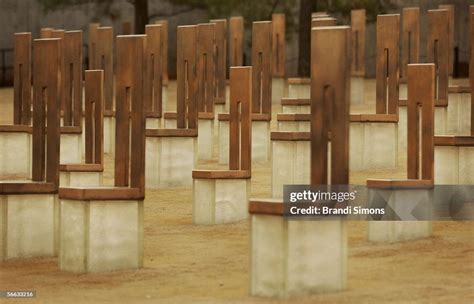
304,39
141,16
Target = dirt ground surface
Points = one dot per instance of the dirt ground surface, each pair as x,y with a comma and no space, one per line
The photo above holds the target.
186,263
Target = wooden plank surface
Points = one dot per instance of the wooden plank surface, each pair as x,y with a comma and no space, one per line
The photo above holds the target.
236,41
358,19
437,50
240,125
471,64
45,163
46,32
221,174
186,102
94,118
387,64
262,67
92,44
130,128
278,45
319,22
330,87
104,61
220,60
410,38
22,79
451,34
205,66
164,47
421,85
101,194
153,80
71,80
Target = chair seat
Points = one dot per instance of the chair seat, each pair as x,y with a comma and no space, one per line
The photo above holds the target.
221,174
255,117
27,187
400,183
101,194
16,128
81,168
466,141
266,206
374,118
171,132
295,102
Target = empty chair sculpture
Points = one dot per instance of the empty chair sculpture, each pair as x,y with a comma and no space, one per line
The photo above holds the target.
454,154
458,114
29,207
261,98
15,140
221,196
89,174
280,249
172,153
299,87
102,228
374,137
205,77
406,194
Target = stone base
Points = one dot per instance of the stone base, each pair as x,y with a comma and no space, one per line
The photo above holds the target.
290,164
80,179
402,91
402,131
71,149
373,146
400,201
101,235
220,201
357,90
298,257
109,135
153,123
261,144
441,120
164,98
294,126
279,89
459,114
28,225
299,90
170,161
15,154
220,108
454,165
296,109
205,139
